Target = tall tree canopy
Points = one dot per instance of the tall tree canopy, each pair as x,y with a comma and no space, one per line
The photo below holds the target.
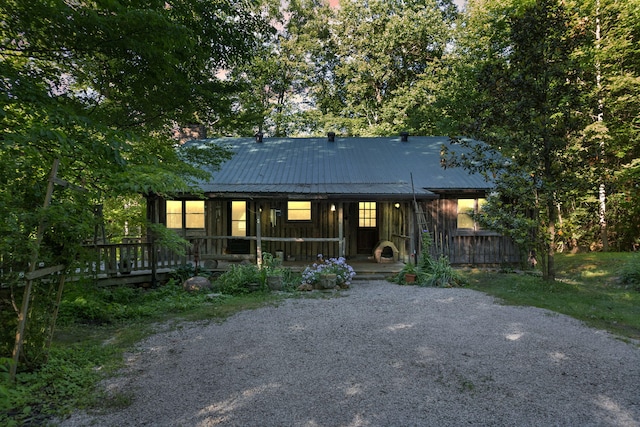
527,98
365,68
98,85
548,84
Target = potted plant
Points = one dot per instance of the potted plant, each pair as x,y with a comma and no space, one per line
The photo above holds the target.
329,273
274,279
410,272
273,271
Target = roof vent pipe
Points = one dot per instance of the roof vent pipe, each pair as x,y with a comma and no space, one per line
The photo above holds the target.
404,136
331,136
259,137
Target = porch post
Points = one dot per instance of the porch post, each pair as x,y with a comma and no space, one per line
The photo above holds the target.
258,238
340,230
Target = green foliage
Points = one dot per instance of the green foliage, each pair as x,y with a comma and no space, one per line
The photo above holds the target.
430,272
39,326
169,239
60,385
630,273
86,304
440,273
183,273
104,109
124,213
527,94
241,279
625,206
272,265
360,69
426,242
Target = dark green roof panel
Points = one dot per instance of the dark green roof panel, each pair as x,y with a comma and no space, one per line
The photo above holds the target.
380,166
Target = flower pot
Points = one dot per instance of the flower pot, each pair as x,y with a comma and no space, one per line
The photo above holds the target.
253,287
274,283
327,281
410,277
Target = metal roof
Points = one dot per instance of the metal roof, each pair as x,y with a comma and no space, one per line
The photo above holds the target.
367,166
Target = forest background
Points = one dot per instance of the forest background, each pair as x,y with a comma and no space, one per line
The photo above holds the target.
552,86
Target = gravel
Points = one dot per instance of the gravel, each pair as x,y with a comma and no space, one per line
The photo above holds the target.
380,354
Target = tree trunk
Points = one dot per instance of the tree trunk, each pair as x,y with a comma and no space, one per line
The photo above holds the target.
602,190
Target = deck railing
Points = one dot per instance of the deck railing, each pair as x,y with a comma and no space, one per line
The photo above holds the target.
123,258
111,259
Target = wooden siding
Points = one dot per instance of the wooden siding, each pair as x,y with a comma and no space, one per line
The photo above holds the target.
304,240
465,246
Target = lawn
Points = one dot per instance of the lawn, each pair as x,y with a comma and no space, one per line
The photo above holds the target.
588,288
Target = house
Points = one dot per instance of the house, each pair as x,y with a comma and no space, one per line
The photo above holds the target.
357,197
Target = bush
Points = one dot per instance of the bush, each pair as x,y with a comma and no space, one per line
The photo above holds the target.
239,278
431,272
441,274
630,273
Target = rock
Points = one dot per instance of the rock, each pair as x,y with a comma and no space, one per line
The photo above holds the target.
197,283
305,287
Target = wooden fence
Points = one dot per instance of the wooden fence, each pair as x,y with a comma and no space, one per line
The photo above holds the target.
478,249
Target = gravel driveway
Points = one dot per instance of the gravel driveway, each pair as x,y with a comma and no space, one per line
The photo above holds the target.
380,354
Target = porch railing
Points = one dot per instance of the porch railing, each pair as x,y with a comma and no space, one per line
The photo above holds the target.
111,259
123,258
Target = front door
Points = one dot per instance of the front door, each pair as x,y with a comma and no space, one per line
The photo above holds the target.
367,227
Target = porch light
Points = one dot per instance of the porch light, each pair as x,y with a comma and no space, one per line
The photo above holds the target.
397,205
333,207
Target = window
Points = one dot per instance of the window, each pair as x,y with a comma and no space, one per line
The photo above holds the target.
238,218
466,209
194,217
299,211
193,213
367,212
174,214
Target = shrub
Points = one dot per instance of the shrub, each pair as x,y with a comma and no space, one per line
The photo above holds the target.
238,278
431,272
441,274
630,273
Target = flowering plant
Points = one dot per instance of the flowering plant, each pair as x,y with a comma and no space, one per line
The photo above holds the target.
338,266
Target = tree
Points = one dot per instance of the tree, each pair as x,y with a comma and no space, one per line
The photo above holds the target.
389,62
367,68
98,85
618,56
287,75
608,58
527,99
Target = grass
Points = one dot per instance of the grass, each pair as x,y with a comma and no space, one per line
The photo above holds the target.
588,288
